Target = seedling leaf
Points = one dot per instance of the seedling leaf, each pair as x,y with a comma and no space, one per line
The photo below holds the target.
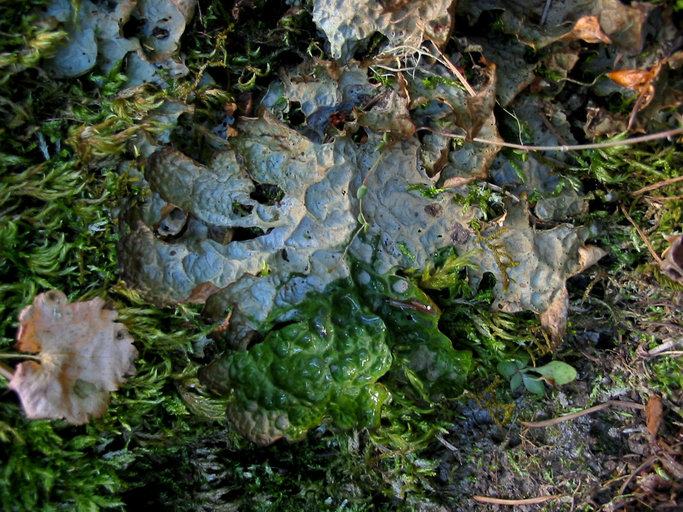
515,381
561,373
532,384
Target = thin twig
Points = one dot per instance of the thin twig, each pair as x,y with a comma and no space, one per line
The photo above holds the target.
20,356
642,234
552,129
663,349
555,421
672,353
657,185
446,443
453,69
664,198
571,147
527,501
6,371
498,189
648,462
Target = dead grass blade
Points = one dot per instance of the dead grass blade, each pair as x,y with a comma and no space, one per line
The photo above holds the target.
590,410
527,501
657,185
648,462
562,148
656,256
453,69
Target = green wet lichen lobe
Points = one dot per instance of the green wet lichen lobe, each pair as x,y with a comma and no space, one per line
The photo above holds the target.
323,365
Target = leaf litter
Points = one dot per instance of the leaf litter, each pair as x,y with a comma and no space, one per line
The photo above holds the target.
83,353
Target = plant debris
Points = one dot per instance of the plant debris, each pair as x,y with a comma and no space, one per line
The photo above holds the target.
84,355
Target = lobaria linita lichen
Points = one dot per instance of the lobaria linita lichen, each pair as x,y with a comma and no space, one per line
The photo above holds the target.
322,367
324,364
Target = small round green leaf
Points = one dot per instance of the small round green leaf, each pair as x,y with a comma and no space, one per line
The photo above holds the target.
515,381
507,368
533,385
561,373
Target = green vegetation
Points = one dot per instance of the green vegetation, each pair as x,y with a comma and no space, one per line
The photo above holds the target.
555,373
408,346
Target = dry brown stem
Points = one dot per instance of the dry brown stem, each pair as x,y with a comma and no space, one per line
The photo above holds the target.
657,185
453,69
527,501
596,408
571,147
642,235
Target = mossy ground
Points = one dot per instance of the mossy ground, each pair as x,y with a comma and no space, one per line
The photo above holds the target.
165,442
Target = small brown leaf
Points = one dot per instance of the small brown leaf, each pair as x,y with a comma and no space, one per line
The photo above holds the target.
202,292
589,256
554,319
588,29
84,354
653,413
634,79
640,81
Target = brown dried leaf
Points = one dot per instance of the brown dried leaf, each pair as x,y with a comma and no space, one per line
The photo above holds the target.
554,319
84,354
653,413
634,79
589,256
588,29
480,106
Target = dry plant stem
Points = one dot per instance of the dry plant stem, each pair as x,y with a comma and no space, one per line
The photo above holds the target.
454,70
446,444
648,462
642,235
661,350
657,185
574,147
662,199
20,356
6,371
555,421
546,10
552,129
672,353
528,501
498,189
